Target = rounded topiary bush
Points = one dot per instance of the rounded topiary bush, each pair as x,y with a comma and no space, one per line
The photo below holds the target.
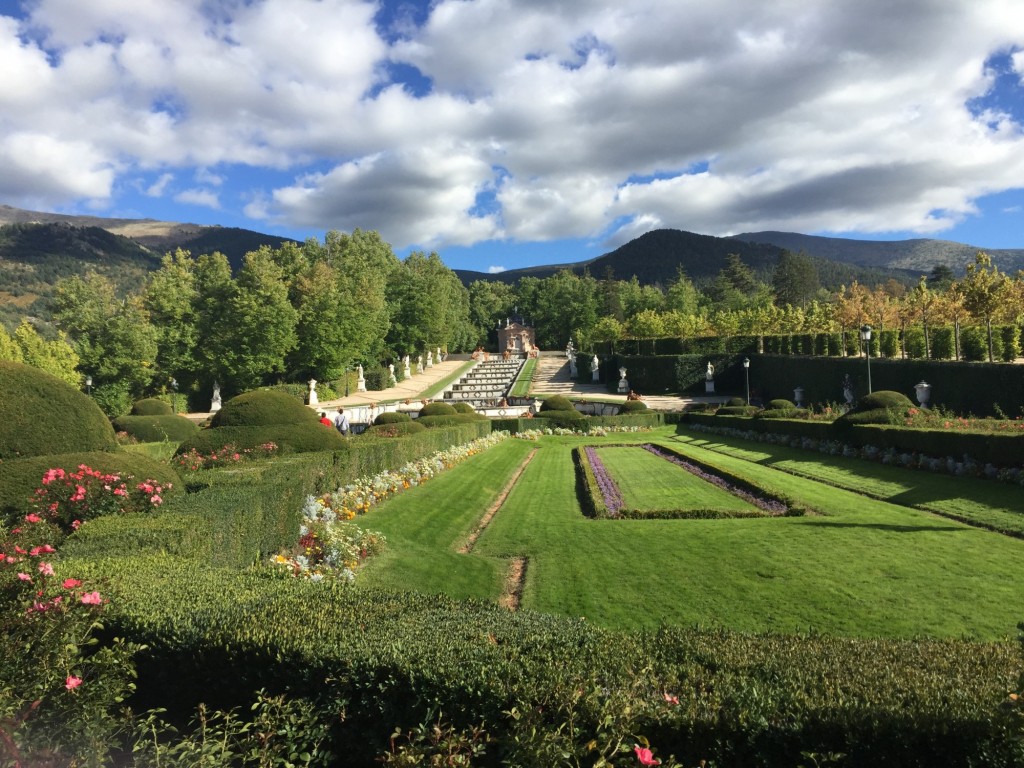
156,429
737,410
569,419
876,408
464,408
781,404
632,406
42,415
261,408
151,406
883,398
736,401
392,417
289,438
557,403
437,409
19,478
395,429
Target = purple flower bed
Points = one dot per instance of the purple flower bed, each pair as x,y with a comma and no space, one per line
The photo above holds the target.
609,489
771,506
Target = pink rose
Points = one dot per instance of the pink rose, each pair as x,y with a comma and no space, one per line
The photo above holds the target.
72,583
24,577
91,598
46,569
645,756
33,518
72,682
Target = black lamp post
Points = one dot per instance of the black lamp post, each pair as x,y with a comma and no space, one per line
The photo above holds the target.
346,381
865,336
746,372
88,385
174,395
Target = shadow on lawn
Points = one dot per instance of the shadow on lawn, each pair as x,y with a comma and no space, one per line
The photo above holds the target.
895,527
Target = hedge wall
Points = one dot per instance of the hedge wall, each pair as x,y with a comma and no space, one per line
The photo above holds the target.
156,429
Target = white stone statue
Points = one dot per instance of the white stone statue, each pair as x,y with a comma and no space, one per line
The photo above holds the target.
710,375
419,363
595,369
215,404
313,399
430,359
623,384
360,380
405,367
439,355
392,379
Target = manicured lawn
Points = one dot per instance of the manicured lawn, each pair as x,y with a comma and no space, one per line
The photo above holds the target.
650,483
863,568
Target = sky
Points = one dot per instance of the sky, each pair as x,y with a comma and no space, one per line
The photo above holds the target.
511,133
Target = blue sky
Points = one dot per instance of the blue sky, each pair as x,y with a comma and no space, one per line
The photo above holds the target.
508,133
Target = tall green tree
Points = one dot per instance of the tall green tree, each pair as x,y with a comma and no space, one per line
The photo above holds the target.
795,279
982,288
321,351
215,290
430,307
56,356
682,295
365,265
566,305
171,297
489,302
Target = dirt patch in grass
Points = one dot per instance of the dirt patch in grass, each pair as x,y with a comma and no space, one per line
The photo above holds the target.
493,509
512,593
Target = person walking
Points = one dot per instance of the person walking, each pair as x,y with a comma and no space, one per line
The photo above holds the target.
325,419
341,422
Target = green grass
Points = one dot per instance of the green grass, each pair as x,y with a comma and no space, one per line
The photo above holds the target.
987,503
439,387
521,387
865,568
650,483
162,451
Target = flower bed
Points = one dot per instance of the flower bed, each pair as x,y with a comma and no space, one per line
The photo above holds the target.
193,461
601,497
330,545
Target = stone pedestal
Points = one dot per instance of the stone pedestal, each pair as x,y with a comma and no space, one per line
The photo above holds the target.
709,386
313,398
623,384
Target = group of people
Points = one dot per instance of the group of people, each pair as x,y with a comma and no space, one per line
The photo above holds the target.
339,422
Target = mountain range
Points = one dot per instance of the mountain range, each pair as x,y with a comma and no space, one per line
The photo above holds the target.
37,249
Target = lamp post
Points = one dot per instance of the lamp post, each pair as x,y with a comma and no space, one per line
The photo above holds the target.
88,385
746,372
174,395
865,336
346,381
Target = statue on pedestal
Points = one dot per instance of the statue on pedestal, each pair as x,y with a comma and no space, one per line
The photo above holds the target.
313,399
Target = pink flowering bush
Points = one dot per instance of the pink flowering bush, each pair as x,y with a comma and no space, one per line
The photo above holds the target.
60,691
193,460
70,498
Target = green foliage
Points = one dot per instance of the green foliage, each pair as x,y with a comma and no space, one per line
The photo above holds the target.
738,410
734,401
461,407
155,429
449,420
557,403
41,415
19,478
437,409
395,429
883,399
558,418
632,406
377,378
392,417
290,438
263,407
781,404
151,406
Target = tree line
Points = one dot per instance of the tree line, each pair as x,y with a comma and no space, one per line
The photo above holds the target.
317,309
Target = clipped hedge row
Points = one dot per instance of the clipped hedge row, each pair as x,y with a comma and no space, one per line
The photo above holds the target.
392,661
19,478
156,429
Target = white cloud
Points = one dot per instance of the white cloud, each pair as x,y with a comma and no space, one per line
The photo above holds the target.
203,197
495,270
578,118
158,187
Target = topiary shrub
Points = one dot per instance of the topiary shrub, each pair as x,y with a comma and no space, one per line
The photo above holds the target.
557,403
737,410
437,409
396,428
463,408
632,406
263,407
156,429
781,404
569,419
734,401
393,417
876,408
290,438
19,478
151,406
41,415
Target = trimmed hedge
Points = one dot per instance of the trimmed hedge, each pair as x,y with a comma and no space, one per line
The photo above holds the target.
395,429
290,438
570,419
40,415
437,409
557,403
632,406
156,429
151,406
19,478
452,419
392,417
261,408
461,407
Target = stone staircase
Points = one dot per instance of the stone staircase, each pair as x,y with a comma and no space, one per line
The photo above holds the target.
486,384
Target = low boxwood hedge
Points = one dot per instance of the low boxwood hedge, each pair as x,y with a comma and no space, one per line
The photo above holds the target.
392,417
569,419
437,409
156,429
19,478
452,419
633,406
557,403
461,407
395,429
